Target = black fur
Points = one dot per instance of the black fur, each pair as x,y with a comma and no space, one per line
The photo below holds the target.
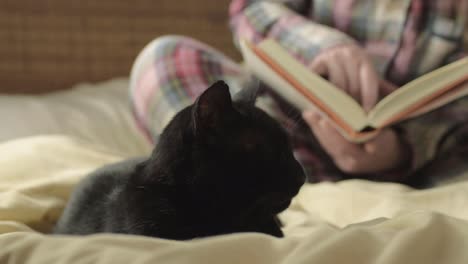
219,167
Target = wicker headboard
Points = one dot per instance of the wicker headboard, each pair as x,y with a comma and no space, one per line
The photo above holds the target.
52,44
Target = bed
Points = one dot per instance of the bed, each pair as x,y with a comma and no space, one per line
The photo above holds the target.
55,134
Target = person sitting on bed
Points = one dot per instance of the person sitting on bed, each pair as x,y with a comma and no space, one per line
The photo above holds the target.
367,48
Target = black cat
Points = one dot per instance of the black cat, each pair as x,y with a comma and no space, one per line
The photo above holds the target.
219,167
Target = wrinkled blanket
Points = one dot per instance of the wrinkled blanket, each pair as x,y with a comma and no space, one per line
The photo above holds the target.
348,222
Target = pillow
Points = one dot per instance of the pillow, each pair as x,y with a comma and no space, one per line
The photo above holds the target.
98,113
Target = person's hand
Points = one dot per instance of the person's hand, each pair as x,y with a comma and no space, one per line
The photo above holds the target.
350,69
382,153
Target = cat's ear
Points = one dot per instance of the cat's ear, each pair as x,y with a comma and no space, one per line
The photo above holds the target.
248,94
212,106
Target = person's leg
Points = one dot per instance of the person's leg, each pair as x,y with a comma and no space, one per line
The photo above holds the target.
169,73
172,71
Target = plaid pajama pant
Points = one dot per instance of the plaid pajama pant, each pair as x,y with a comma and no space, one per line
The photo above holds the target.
172,71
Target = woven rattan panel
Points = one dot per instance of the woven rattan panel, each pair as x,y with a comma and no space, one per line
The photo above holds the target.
52,44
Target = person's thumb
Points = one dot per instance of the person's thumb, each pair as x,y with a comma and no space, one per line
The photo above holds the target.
311,117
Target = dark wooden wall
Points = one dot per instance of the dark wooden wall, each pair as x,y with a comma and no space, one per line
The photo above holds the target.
52,44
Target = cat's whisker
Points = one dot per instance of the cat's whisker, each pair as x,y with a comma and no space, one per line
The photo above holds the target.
292,118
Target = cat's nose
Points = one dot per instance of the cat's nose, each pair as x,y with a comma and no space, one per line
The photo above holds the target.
299,172
299,177
295,185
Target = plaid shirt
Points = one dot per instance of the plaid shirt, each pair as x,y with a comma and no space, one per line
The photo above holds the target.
404,39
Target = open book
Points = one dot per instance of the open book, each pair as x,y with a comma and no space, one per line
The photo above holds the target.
293,81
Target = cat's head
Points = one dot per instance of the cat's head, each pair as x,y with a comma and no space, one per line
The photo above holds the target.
230,152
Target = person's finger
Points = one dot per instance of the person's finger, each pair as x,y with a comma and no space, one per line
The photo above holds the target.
329,67
333,142
353,81
346,155
319,66
384,150
337,74
386,88
370,86
311,117
372,146
349,157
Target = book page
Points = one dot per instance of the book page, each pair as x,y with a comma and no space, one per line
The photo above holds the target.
415,94
333,99
451,95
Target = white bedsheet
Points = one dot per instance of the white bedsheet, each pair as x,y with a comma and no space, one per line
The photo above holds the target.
349,222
